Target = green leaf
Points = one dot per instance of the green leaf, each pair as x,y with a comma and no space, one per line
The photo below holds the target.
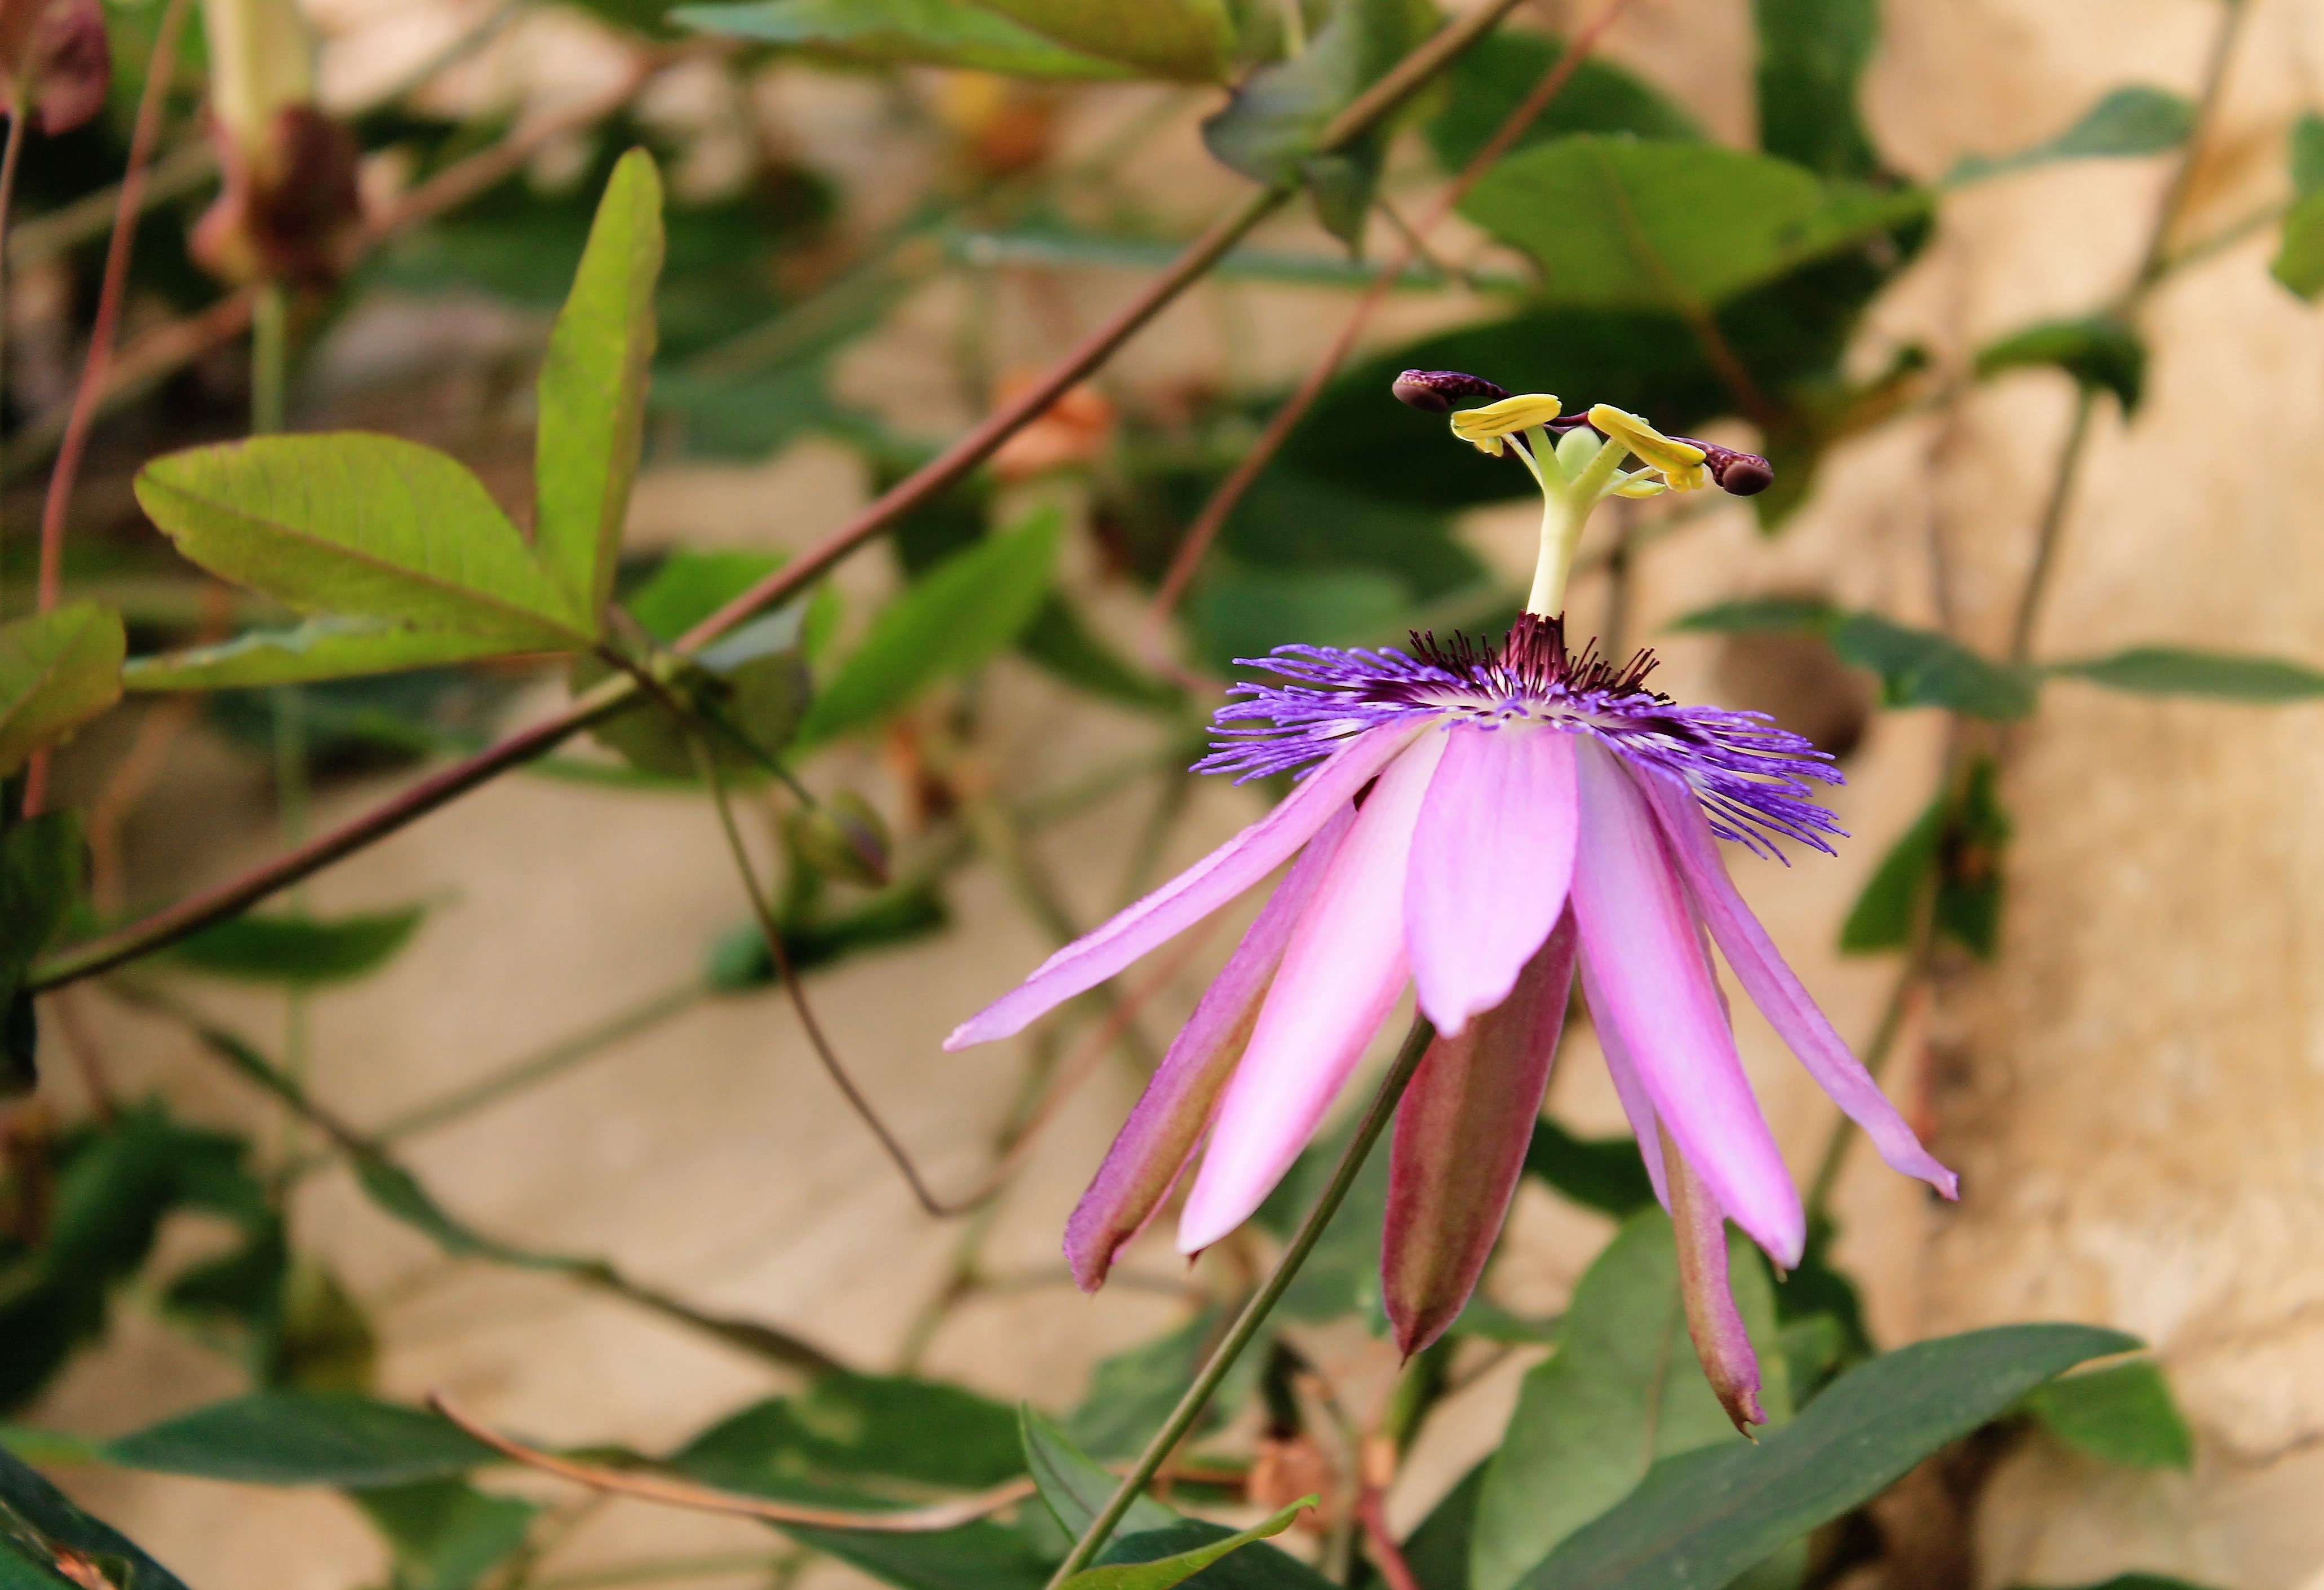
1601,1173
2128,123
1132,1392
1492,76
357,524
2124,1414
1192,40
1062,643
1270,130
1163,1572
1437,1551
445,1534
1242,612
930,33
2099,351
1074,1485
1883,915
964,610
41,860
1812,58
1680,227
1623,1389
1762,615
38,1523
1921,668
305,952
58,669
2145,1582
2307,154
592,390
2170,670
2299,261
1701,1518
1342,1276
848,1436
303,1438
332,646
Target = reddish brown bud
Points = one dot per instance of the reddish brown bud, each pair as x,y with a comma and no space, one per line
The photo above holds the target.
62,44
289,212
1739,473
1435,391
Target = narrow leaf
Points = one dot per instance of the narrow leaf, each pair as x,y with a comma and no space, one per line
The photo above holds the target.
445,1534
1163,1572
1762,615
2097,351
1921,668
35,1517
58,669
304,952
1074,1485
929,33
2124,1414
358,523
1701,1519
1192,40
2170,670
968,607
2129,122
592,390
302,1438
332,647
1882,918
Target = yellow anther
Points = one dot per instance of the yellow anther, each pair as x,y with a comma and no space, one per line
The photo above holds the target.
1679,463
1484,428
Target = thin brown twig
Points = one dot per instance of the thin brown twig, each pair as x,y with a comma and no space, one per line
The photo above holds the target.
1238,481
174,922
674,1492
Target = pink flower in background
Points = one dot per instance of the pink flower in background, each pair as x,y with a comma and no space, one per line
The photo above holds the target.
1477,823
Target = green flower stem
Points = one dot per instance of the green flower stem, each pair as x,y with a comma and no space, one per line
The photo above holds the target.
1254,1314
270,359
1565,509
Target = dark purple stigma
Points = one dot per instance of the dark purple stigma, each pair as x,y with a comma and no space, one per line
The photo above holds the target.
1435,391
1739,473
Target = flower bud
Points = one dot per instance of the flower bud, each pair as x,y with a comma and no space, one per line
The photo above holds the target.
288,208
1739,473
59,47
842,838
1434,392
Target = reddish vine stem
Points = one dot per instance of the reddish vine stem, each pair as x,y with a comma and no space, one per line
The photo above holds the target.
237,894
114,284
1413,240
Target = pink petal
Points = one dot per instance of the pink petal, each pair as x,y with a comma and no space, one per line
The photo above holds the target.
1760,967
1341,976
1193,894
1460,1146
1491,861
1162,1131
1650,966
1713,1323
1636,1106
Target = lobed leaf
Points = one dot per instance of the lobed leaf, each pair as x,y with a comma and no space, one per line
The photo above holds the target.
2172,670
1703,1517
58,669
357,524
946,623
2123,1414
1623,1389
592,390
930,33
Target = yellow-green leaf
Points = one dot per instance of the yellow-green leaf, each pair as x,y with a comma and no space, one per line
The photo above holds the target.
359,523
593,389
1190,40
1164,1572
931,32
333,646
58,669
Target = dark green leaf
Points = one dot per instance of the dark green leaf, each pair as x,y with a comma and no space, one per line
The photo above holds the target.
331,647
1703,1517
302,1438
40,861
1290,521
1601,1173
445,1534
2307,154
849,1437
357,524
1492,76
931,32
2099,351
592,393
38,1523
1883,915
2128,123
1921,668
1969,876
1812,58
980,1556
946,623
58,669
2145,1582
1270,130
1623,1389
1160,1573
1074,1485
1132,1393
1673,226
1243,613
396,1192
1193,41
2123,1414
1762,615
1060,640
2227,676
2299,261
1437,1552
305,952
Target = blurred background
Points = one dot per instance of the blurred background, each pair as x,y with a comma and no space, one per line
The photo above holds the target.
2104,1009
